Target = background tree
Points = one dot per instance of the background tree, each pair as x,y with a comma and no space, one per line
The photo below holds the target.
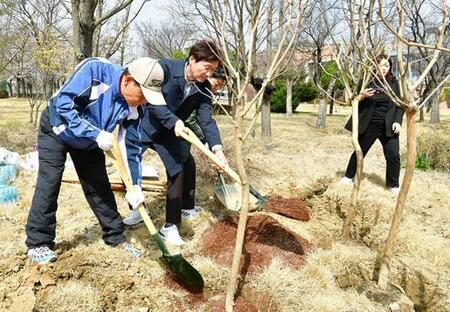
422,23
164,40
87,17
315,41
39,63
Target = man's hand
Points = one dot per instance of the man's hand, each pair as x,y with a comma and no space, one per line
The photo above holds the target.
179,128
224,162
135,197
105,140
396,127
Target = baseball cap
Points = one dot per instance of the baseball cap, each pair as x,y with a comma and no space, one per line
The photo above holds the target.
150,76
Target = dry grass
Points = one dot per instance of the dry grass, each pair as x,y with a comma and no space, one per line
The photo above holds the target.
299,161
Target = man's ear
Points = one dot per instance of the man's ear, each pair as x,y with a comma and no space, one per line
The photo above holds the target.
191,59
127,79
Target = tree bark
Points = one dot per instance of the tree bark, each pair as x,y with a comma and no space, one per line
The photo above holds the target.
98,30
289,85
322,113
409,172
434,114
346,229
243,215
266,131
421,115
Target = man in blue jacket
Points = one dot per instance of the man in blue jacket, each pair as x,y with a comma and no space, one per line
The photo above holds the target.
185,88
79,120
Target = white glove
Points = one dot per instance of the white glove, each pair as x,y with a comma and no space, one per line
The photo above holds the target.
135,197
105,140
179,127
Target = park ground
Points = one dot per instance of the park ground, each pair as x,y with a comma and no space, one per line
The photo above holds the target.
299,162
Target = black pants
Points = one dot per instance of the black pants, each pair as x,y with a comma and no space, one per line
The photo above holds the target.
390,149
180,191
90,167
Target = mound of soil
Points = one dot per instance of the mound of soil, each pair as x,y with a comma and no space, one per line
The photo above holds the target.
294,208
265,239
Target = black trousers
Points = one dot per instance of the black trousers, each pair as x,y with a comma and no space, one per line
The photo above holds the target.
90,167
180,191
390,149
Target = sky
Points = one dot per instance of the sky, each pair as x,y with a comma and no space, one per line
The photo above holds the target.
153,11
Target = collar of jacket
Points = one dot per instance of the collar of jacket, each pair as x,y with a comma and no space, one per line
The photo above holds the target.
115,87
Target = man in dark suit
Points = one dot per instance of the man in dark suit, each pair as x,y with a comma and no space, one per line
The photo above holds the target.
185,88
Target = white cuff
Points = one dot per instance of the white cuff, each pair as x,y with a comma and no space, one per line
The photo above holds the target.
216,148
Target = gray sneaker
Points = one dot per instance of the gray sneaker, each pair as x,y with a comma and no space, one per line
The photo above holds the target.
191,214
134,252
41,255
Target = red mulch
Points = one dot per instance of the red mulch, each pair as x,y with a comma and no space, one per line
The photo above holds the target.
294,208
265,239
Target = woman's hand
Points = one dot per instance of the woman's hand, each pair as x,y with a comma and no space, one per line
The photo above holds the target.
396,127
367,93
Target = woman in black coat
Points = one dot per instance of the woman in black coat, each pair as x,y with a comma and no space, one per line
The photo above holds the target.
379,118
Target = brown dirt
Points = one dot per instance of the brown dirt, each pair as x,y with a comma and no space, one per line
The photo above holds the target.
265,239
294,208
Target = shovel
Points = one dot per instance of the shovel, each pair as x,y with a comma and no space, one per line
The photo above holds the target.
234,191
182,269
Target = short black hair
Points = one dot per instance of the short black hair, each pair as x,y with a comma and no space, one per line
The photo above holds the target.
220,73
205,50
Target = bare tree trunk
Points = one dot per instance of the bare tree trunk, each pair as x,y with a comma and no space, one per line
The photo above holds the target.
36,114
289,85
322,113
434,114
266,131
266,123
31,112
421,115
240,235
19,85
331,111
10,88
409,172
98,30
346,229
124,36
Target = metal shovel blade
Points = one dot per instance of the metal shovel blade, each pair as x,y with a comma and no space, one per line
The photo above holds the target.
229,195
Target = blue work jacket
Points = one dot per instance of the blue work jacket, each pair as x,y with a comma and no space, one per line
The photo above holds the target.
88,103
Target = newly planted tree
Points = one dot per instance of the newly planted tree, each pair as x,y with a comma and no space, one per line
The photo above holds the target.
240,28
410,104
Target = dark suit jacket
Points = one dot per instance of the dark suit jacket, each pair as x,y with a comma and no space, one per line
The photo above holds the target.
155,128
367,106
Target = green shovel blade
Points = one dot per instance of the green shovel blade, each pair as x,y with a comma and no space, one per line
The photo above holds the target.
179,266
184,271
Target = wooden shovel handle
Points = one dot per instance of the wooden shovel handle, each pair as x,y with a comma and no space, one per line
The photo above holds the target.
115,155
192,138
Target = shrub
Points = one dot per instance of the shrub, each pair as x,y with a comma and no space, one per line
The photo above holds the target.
301,92
433,152
446,95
